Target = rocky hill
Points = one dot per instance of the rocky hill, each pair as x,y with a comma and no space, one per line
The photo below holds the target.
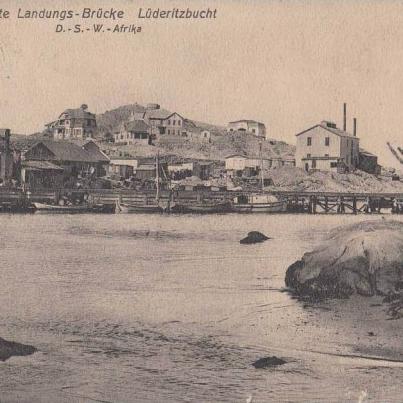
222,143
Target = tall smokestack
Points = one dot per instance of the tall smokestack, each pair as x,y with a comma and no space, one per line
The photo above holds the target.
345,117
355,127
7,135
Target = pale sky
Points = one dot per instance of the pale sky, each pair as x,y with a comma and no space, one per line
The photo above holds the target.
289,64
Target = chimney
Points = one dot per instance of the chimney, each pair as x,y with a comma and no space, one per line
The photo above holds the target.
7,140
355,127
345,117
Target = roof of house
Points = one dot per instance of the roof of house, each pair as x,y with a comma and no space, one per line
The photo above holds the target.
40,166
333,130
247,121
158,114
78,113
367,153
137,126
236,155
66,151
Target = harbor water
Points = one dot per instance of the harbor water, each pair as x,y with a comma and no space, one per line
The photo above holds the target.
138,308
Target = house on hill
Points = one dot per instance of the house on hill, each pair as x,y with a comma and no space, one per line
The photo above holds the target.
195,133
76,123
326,147
135,131
161,121
256,128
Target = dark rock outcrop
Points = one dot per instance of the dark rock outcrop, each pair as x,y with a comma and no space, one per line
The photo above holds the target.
11,348
364,258
268,362
254,237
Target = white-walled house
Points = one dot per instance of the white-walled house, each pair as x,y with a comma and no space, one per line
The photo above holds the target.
325,147
256,128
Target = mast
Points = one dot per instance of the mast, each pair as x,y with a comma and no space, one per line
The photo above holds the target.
157,178
261,165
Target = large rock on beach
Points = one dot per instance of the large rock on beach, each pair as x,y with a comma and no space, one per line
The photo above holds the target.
254,237
11,348
364,258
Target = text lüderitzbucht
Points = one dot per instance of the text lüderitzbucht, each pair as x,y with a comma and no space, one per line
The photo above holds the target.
177,13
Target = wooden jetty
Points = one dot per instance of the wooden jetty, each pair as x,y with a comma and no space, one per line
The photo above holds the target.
18,200
341,202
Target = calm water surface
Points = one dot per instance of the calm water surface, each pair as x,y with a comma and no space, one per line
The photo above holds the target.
128,308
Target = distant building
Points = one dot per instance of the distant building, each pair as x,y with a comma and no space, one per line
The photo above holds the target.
74,124
124,167
161,121
256,128
75,159
134,131
238,165
369,163
325,147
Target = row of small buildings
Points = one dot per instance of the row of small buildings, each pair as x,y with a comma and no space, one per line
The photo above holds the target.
144,125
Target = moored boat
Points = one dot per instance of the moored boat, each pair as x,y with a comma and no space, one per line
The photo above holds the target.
259,203
138,208
69,209
202,207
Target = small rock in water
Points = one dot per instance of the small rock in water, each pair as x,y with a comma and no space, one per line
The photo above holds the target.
10,348
268,362
254,237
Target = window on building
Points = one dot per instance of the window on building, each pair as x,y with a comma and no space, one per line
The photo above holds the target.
253,130
308,156
179,123
333,164
313,163
327,141
174,123
169,122
326,155
309,141
169,131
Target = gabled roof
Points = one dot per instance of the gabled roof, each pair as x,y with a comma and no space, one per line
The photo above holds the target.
78,113
66,151
333,130
247,121
40,166
158,114
137,126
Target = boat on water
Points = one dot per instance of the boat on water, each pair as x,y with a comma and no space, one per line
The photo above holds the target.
54,208
203,207
122,208
259,203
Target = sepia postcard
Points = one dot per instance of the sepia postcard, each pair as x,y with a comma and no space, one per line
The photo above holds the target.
201,201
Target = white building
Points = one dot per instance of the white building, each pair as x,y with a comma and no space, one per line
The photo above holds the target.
256,128
325,147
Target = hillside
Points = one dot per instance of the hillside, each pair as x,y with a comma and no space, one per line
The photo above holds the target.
296,179
222,143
